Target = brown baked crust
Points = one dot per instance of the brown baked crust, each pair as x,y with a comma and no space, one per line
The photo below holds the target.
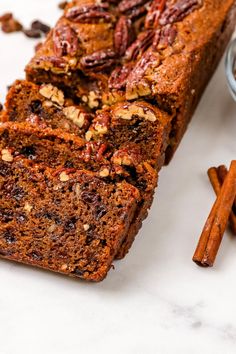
70,223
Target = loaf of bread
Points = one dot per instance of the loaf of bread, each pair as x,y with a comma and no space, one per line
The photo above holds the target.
107,100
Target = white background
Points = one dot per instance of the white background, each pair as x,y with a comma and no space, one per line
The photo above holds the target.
156,300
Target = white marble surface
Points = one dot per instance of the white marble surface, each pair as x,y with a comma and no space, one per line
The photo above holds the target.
156,300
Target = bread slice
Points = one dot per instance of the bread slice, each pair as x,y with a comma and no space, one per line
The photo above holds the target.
67,222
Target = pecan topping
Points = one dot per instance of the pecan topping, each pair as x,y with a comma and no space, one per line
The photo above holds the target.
89,13
65,41
57,62
127,6
154,12
179,10
139,46
124,35
99,60
164,37
137,85
119,76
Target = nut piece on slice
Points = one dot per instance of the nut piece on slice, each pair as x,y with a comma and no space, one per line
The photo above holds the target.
75,115
7,156
52,93
129,110
64,177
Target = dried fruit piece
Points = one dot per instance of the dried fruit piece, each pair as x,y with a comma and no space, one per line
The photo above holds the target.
11,26
99,60
179,10
38,25
89,13
32,33
6,17
65,41
62,5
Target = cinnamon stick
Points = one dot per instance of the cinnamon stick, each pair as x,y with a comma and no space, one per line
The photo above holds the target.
217,177
216,223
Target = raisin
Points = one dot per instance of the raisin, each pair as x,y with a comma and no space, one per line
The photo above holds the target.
8,236
70,224
78,272
36,106
36,256
100,211
38,25
28,151
4,170
6,215
21,218
32,33
90,197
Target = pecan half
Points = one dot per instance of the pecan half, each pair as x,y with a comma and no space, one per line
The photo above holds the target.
89,13
179,10
99,60
54,60
124,35
164,37
154,12
128,5
119,76
139,46
65,41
